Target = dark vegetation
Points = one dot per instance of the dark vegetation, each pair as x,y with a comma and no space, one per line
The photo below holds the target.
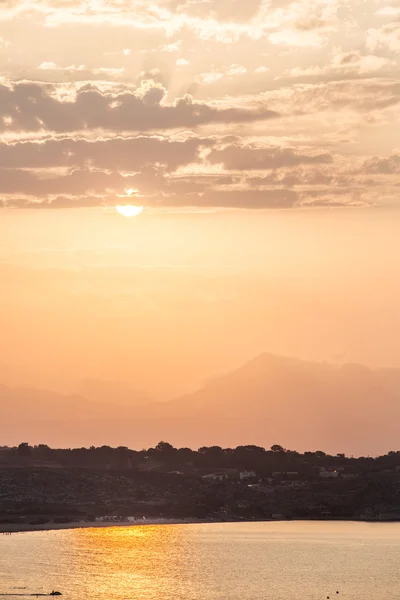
40,484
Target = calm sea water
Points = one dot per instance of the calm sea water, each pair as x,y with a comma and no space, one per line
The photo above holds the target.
233,561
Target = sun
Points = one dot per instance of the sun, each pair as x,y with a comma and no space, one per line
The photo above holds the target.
129,210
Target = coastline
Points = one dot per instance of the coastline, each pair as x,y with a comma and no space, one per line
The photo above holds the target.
10,528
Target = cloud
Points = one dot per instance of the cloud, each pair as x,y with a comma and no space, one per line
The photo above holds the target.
173,47
48,66
329,201
199,102
250,199
345,63
76,182
388,11
387,36
236,70
235,157
109,71
117,153
363,64
355,95
55,202
209,77
382,165
291,37
83,70
217,74
219,10
245,199
32,107
305,72
123,52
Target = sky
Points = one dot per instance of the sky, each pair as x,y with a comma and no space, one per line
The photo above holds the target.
206,103
261,138
166,300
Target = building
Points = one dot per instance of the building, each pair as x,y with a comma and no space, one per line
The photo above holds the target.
214,477
246,475
329,474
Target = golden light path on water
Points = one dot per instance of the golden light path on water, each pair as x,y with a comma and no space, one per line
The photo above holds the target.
131,560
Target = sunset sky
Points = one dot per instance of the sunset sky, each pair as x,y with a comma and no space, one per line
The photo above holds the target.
262,139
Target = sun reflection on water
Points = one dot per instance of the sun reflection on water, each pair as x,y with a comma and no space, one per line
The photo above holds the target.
127,560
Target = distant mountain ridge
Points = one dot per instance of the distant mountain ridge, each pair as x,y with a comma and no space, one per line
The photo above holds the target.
119,392
270,399
44,405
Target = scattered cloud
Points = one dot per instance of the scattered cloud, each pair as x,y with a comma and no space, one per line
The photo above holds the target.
249,157
346,63
217,74
173,47
388,165
388,11
387,36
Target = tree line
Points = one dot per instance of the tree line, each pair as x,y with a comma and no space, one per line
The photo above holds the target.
166,456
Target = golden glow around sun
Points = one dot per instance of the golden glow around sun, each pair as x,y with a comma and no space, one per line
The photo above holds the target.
129,210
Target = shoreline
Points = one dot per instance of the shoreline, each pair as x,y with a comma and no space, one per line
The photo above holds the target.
10,528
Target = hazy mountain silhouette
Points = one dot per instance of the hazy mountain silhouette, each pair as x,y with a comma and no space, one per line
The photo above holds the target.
270,385
31,404
271,399
118,392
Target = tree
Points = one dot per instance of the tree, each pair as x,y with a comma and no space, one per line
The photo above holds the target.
24,449
277,448
164,448
212,456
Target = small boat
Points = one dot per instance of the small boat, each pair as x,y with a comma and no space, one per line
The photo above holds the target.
53,593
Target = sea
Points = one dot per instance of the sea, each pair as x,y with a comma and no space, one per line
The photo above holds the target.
293,560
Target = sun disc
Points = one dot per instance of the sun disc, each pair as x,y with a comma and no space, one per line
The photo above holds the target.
129,210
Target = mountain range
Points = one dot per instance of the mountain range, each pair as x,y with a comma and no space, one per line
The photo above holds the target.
269,400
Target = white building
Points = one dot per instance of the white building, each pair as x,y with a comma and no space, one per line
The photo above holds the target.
246,474
329,474
214,477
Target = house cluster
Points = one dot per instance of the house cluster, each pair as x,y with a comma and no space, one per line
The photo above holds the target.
281,478
227,474
335,472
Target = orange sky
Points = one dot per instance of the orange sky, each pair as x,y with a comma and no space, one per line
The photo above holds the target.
163,301
261,138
